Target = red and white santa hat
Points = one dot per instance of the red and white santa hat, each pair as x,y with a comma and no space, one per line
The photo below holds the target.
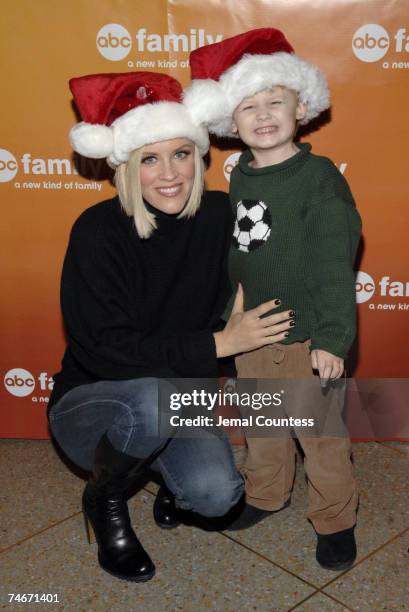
123,112
225,73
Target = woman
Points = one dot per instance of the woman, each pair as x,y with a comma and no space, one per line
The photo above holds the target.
143,286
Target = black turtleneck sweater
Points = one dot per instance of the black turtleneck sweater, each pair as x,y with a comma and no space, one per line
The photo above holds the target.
143,307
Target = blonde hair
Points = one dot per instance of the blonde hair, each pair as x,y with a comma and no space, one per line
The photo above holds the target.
128,184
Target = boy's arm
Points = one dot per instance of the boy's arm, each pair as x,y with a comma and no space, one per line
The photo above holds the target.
333,228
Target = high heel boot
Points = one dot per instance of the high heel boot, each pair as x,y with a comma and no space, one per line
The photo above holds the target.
120,553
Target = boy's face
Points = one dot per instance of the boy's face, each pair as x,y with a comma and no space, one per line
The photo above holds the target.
268,119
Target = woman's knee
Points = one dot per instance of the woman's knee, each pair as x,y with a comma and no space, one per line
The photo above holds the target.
145,413
213,495
127,410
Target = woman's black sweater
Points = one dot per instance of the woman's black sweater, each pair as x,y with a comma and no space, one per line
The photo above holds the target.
143,307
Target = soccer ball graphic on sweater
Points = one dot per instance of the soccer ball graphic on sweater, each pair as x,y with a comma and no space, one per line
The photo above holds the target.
253,225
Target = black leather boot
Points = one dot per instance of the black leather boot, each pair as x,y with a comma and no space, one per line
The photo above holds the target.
165,513
106,512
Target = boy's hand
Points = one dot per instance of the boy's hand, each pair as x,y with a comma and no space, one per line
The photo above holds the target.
329,366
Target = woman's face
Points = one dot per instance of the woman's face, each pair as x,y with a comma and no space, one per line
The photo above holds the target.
167,174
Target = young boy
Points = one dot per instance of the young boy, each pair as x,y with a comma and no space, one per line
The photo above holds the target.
295,237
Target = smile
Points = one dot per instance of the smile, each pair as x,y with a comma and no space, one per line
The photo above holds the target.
169,191
268,129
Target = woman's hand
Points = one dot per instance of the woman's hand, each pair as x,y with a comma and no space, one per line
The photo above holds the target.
246,331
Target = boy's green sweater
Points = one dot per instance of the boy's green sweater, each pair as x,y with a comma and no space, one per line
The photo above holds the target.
307,259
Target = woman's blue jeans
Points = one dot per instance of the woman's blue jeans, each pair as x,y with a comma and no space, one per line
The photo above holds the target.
198,469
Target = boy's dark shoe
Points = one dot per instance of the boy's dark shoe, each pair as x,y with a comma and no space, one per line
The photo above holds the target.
250,515
336,551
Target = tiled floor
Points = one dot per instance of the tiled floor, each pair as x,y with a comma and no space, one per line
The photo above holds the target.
267,568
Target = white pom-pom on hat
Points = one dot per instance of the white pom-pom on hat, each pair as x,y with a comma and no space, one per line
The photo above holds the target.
92,140
206,99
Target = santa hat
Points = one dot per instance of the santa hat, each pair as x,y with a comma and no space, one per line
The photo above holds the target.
225,73
122,112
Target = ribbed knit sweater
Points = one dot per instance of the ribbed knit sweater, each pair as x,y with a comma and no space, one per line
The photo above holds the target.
306,259
134,308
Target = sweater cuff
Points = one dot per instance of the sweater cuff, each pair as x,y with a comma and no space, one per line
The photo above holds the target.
337,349
201,354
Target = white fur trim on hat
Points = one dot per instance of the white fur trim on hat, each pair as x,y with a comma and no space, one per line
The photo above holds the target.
92,140
142,125
254,73
153,123
207,100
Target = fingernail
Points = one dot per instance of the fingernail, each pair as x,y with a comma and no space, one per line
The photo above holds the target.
324,382
292,313
286,334
277,302
292,323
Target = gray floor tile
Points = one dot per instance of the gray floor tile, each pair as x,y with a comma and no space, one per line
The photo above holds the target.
36,487
195,571
289,540
320,603
402,447
380,582
198,570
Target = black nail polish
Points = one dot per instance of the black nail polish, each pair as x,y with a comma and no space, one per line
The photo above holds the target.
292,313
292,323
277,302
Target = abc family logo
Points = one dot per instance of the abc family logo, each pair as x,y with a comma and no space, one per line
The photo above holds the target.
371,42
366,287
114,42
8,166
20,382
27,164
230,163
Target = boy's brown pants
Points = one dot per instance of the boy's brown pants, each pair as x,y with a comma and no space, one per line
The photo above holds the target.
270,466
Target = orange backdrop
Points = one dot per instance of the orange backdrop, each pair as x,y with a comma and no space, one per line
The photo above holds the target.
362,46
